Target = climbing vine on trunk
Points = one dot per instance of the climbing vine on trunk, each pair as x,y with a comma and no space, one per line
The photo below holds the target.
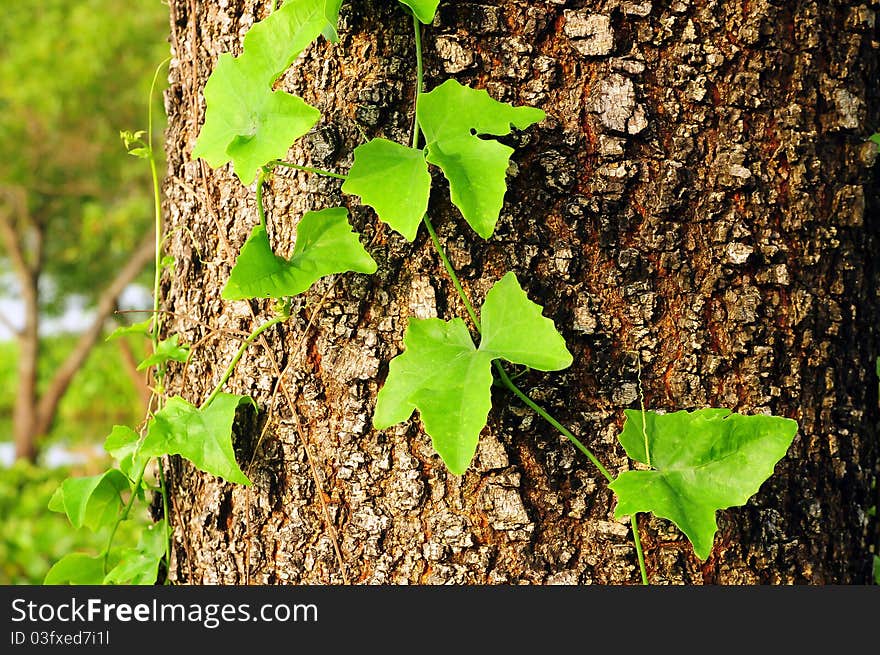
691,463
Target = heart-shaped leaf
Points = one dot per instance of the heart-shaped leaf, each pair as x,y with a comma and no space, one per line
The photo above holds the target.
325,244
394,180
122,444
702,461
443,375
92,502
203,436
140,565
453,117
168,350
246,122
76,569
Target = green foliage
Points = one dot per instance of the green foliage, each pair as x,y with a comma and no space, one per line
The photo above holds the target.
100,393
424,10
701,462
449,381
143,329
167,350
72,74
140,565
876,570
31,536
202,435
92,502
394,180
246,121
122,444
76,569
325,244
453,118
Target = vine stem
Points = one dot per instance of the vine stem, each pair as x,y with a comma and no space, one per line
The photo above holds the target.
420,77
157,204
309,169
640,554
238,355
505,379
166,507
125,512
261,210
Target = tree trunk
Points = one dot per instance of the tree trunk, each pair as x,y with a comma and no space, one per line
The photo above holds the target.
700,198
24,416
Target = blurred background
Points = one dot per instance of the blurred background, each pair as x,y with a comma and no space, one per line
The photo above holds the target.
76,216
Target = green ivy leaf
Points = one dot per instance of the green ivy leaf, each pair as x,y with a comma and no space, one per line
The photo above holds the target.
325,244
168,350
76,569
122,444
246,122
394,180
144,329
453,117
423,9
702,461
203,436
876,139
271,45
140,565
91,502
515,330
449,381
331,13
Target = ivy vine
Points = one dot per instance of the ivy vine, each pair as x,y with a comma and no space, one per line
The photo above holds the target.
691,463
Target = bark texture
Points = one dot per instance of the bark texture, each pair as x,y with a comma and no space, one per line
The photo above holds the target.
701,194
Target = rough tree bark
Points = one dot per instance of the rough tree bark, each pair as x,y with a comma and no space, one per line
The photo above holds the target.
701,194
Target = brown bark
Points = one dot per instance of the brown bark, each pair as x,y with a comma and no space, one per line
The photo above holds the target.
701,194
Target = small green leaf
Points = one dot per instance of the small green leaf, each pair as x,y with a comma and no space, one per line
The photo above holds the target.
203,436
876,570
449,381
876,139
515,330
453,117
271,45
167,262
122,444
423,9
702,461
140,565
394,180
246,122
166,351
92,501
325,244
76,569
144,329
141,153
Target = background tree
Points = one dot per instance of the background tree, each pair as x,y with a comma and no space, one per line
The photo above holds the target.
700,199
75,212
